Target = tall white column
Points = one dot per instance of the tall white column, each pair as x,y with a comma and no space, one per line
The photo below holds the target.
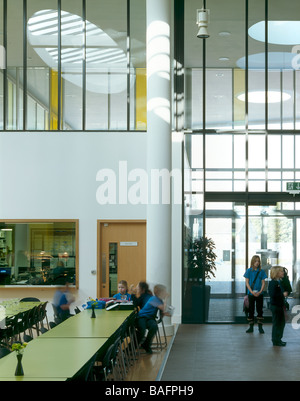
159,141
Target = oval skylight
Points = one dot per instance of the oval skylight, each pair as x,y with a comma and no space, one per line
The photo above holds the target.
279,32
103,55
276,60
259,96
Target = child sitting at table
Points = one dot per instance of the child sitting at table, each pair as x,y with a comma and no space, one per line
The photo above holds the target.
140,294
146,317
123,291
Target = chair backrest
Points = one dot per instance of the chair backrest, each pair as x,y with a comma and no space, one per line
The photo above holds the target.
4,351
30,299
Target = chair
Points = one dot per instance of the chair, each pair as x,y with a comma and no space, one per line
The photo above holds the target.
77,310
4,351
111,363
57,319
86,373
159,343
43,315
30,299
52,325
27,338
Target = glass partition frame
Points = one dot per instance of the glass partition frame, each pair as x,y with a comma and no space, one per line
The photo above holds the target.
43,255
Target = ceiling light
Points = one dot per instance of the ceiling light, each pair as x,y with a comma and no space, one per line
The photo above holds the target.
202,22
224,33
279,32
260,96
223,58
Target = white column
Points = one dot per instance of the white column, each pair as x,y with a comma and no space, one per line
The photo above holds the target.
159,141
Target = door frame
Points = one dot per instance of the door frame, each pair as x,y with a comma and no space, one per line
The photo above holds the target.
110,221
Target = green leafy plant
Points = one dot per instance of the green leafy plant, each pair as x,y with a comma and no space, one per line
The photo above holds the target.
201,258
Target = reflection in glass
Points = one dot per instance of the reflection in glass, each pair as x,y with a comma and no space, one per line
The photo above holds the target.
113,268
37,253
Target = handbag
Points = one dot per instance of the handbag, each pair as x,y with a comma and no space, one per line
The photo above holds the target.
246,297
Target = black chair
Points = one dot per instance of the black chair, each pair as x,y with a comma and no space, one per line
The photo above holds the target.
4,351
43,315
30,299
159,343
27,338
57,319
111,367
85,374
52,325
77,310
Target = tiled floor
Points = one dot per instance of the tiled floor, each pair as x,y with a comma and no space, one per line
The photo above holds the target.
225,352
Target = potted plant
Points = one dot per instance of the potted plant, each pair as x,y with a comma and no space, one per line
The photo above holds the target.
201,267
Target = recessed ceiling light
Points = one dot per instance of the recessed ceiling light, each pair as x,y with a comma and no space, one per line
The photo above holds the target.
224,33
223,58
260,96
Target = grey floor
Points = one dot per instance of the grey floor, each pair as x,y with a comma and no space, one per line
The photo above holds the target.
224,352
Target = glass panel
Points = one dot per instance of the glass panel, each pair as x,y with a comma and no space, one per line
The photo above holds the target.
193,229
14,65
42,63
2,65
219,98
106,60
113,268
72,55
38,253
227,285
219,151
257,155
138,78
256,74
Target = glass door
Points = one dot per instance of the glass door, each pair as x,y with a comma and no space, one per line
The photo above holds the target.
272,232
225,225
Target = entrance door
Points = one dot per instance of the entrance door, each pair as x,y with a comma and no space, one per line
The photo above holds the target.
121,254
272,232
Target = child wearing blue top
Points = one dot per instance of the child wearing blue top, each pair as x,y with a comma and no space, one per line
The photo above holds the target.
123,291
255,283
146,318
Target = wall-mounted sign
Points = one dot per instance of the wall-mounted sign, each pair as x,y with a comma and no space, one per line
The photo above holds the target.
129,243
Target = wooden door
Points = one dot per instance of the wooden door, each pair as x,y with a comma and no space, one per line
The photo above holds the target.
121,254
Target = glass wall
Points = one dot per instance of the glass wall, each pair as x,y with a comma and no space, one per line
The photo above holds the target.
241,134
76,68
38,253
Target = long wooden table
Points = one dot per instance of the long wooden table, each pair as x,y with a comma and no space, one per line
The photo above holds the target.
59,353
51,359
82,325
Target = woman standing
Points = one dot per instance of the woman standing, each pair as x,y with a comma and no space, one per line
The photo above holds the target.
255,283
277,295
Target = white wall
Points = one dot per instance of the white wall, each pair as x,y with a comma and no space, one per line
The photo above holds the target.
53,176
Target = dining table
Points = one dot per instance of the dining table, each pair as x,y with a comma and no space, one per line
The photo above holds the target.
104,325
62,351
53,360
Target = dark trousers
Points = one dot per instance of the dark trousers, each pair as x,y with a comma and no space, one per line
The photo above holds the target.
142,325
278,323
258,301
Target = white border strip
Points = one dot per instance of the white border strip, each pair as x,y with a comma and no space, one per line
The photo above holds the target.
162,368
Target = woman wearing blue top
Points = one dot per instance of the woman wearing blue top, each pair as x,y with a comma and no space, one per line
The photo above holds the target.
123,291
255,283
